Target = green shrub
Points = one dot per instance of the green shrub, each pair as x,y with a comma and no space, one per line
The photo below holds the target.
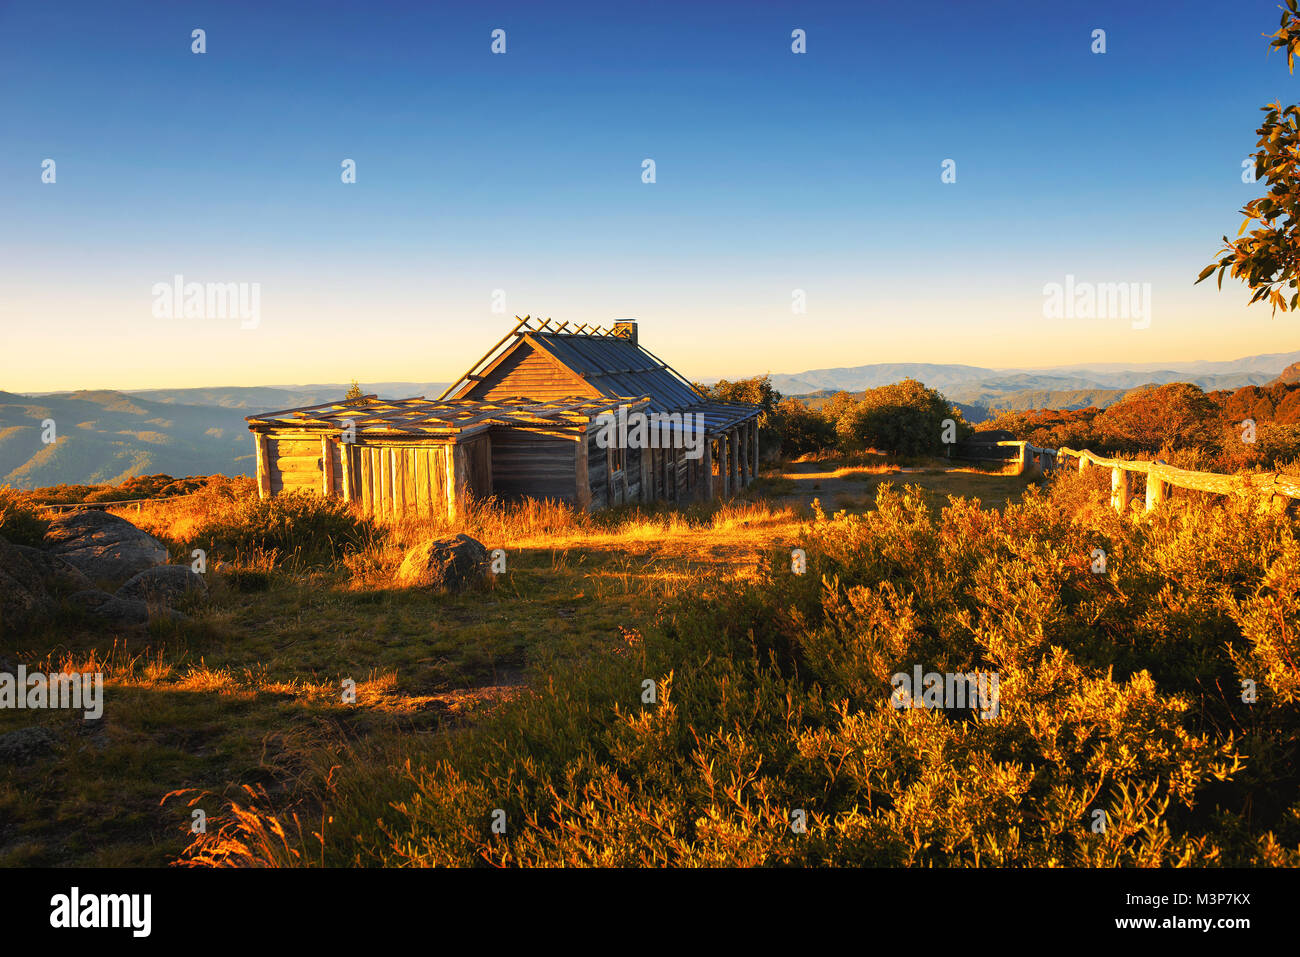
904,418
802,429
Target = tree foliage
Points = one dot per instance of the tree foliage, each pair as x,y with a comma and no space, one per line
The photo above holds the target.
1205,430
1267,258
802,428
753,391
904,418
1176,415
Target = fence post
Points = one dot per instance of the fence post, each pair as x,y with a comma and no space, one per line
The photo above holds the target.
1121,489
1083,463
1155,490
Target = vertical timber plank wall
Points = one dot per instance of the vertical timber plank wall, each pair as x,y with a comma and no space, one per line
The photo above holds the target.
413,456
363,478
399,480
400,457
348,461
438,478
406,483
263,467
374,480
423,498
452,483
374,500
384,487
394,474
458,491
328,488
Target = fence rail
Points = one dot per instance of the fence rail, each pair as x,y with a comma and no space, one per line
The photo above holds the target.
1278,486
137,502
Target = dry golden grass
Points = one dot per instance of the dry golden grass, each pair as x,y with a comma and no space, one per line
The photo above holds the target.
246,694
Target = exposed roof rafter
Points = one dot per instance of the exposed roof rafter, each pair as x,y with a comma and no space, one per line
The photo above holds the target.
435,417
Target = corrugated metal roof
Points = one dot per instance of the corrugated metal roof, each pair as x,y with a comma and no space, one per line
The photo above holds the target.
614,366
617,367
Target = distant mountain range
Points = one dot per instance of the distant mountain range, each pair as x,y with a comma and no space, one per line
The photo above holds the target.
979,385
105,436
271,398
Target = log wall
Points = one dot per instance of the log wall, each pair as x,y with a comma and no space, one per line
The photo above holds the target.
428,478
525,463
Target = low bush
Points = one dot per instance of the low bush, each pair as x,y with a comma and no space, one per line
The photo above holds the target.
1146,712
294,528
21,521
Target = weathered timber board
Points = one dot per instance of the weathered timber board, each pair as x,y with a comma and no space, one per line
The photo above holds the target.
526,465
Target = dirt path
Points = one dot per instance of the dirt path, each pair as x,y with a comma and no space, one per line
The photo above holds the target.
849,486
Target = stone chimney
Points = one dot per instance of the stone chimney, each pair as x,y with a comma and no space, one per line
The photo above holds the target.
626,328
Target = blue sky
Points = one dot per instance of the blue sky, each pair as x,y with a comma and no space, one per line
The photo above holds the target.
522,172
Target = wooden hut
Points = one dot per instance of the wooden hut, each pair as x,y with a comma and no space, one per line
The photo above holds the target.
541,359
530,419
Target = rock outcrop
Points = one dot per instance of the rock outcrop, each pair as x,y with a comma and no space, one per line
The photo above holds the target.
164,585
60,577
445,564
109,608
103,546
22,591
84,548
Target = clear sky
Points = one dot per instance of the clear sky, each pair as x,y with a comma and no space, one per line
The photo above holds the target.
522,172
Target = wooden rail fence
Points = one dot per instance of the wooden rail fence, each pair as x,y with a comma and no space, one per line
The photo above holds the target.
1276,486
139,503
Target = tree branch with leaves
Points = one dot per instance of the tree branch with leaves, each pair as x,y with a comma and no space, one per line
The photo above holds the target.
1267,258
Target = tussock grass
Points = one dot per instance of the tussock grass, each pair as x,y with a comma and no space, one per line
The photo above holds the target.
1120,691
217,704
21,521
